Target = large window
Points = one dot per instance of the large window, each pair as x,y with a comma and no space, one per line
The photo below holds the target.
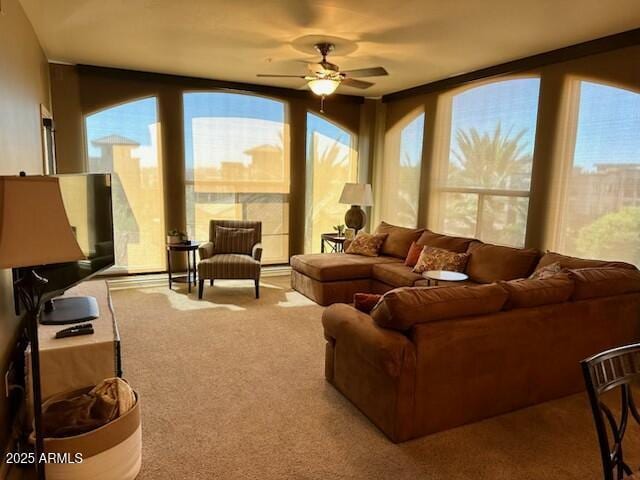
123,141
483,180
600,211
237,166
332,161
399,182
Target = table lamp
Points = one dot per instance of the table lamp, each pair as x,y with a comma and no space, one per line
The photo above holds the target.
34,231
357,195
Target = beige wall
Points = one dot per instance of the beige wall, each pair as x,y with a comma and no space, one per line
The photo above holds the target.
619,67
24,85
78,91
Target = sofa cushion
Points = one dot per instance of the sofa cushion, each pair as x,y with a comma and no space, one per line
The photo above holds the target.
604,282
547,271
229,266
234,240
446,242
327,267
433,258
525,293
401,308
395,274
399,239
492,263
414,255
566,261
367,244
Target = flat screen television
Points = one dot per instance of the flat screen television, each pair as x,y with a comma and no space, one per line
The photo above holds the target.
87,201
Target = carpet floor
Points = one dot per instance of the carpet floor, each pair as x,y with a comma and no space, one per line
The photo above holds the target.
233,388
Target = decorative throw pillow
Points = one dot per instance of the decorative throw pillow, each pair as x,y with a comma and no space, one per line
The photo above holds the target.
547,271
365,301
234,240
414,255
432,258
366,244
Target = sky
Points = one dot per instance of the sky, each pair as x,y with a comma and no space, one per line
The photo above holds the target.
131,120
513,103
266,118
411,141
608,126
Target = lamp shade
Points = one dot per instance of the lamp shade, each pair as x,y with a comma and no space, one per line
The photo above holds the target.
34,228
357,194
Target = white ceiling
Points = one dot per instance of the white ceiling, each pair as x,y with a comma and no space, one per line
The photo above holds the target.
416,41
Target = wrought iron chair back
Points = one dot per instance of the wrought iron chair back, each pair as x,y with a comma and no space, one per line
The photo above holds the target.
606,371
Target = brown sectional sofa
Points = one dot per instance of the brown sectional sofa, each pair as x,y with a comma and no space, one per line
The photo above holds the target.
429,359
336,277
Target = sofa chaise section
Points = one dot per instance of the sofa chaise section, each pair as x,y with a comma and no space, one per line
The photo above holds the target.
328,278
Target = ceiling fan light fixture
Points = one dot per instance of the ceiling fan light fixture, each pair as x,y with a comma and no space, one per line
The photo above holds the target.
323,86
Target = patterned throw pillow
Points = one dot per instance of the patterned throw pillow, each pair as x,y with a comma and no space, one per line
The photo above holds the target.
547,271
433,258
234,240
366,244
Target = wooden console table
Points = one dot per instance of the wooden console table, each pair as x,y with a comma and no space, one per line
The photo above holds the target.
75,362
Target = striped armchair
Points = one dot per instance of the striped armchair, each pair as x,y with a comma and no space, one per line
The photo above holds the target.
245,264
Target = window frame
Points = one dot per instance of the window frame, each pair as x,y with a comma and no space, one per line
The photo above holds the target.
354,147
442,150
287,144
85,115
379,174
565,147
116,270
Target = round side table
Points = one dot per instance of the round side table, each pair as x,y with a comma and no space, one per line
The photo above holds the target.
335,242
436,276
191,248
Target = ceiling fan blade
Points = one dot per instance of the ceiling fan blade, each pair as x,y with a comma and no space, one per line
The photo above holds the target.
315,68
267,75
366,72
352,82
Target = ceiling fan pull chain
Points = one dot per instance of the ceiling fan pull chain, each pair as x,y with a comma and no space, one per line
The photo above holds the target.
322,104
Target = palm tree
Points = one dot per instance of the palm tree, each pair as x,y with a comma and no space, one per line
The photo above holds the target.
493,161
489,161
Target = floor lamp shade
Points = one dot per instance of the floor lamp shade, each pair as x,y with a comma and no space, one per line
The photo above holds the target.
34,227
356,195
34,231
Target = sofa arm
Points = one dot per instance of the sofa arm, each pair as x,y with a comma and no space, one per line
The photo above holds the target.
205,250
354,330
256,252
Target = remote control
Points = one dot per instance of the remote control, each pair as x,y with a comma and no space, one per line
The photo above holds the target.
76,327
86,329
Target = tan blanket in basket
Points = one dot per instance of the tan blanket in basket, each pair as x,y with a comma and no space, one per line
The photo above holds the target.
82,413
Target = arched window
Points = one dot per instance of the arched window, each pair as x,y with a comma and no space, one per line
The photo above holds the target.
332,161
237,165
124,141
483,178
399,182
599,210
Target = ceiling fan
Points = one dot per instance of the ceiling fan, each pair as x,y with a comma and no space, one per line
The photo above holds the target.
324,77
